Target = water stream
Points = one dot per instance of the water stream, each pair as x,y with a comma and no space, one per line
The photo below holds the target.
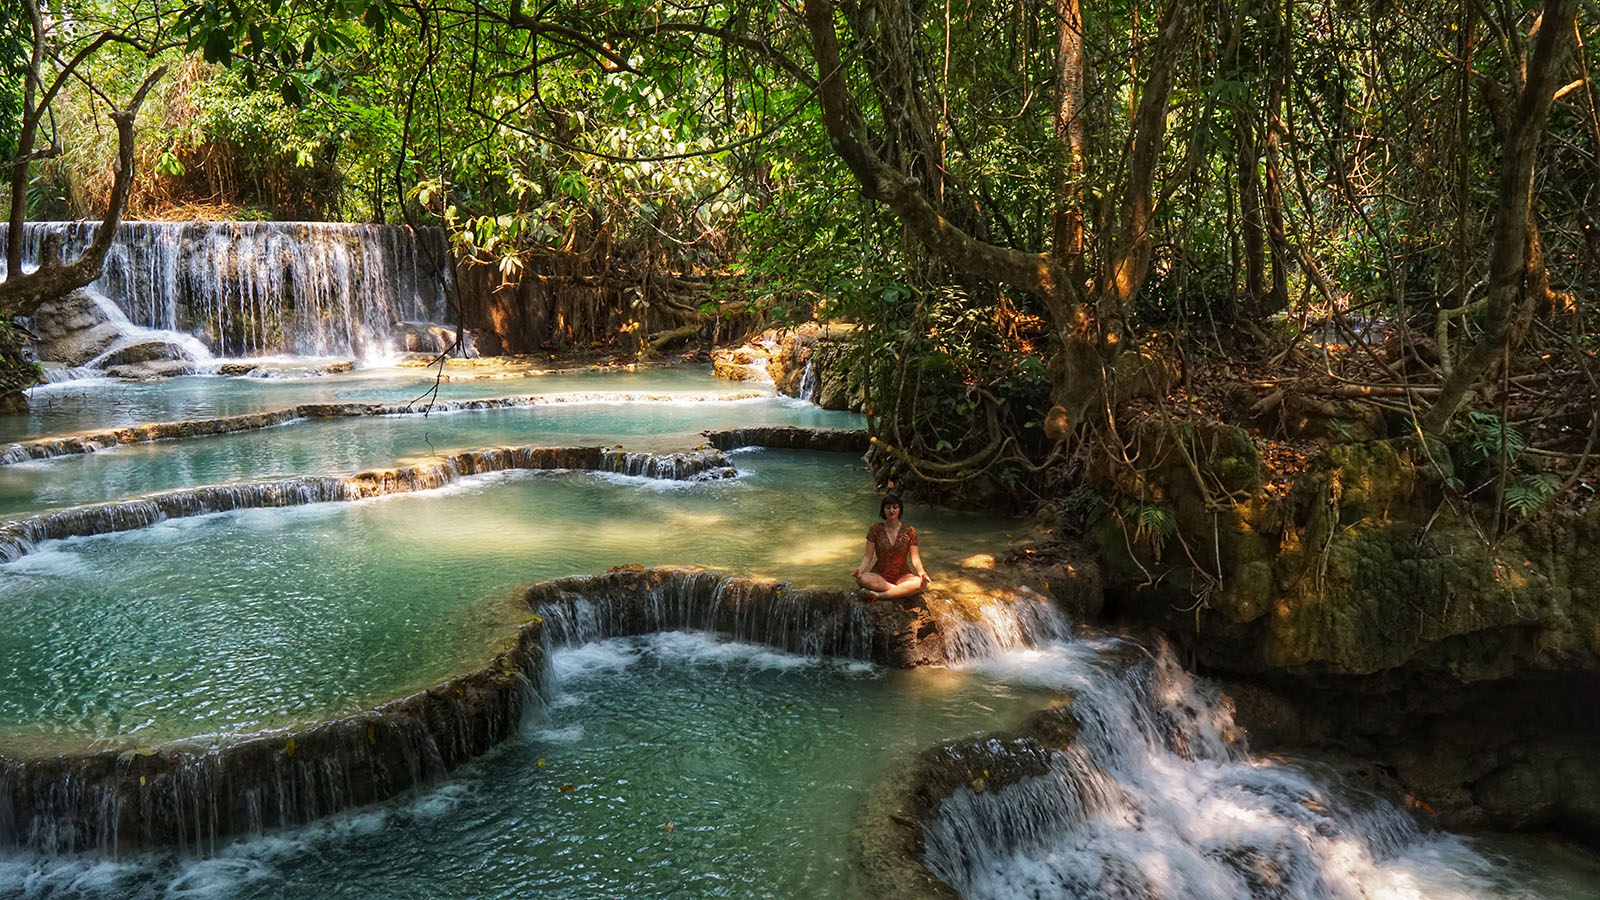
256,288
671,764
1158,798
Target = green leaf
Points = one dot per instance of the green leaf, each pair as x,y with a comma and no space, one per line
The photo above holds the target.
219,47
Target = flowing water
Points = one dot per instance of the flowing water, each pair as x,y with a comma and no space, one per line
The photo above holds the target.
1157,798
672,765
667,765
325,608
253,288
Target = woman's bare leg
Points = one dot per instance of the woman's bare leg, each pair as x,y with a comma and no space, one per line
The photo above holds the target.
874,582
905,587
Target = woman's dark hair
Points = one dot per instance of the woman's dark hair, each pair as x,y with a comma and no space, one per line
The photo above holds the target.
888,501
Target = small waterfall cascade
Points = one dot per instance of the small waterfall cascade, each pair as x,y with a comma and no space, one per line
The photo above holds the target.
979,631
1157,798
809,622
808,381
192,346
266,288
195,795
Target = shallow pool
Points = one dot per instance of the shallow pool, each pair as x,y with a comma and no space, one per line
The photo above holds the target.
241,621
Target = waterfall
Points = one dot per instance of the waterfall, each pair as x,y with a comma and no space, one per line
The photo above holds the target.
1155,797
979,631
808,380
806,621
258,288
194,795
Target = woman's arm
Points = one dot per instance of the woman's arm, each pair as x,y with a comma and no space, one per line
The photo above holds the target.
866,561
916,565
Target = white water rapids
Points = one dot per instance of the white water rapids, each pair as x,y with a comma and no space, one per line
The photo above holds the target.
1158,799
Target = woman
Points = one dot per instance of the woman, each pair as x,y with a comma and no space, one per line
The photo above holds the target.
884,573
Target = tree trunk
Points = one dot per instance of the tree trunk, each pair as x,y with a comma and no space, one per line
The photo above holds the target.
1090,335
1509,289
21,294
1067,221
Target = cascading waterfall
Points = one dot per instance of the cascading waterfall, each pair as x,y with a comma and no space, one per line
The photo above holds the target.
809,622
1157,798
257,288
195,796
808,381
989,629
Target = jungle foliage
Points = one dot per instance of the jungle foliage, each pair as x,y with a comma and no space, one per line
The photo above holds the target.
1053,218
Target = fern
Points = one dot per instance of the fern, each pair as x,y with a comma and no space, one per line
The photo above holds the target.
1150,523
1532,492
1487,433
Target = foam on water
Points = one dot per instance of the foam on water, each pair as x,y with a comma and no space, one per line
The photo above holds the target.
574,663
1157,798
700,649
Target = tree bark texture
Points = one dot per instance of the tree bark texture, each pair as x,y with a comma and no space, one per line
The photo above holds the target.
1509,286
21,294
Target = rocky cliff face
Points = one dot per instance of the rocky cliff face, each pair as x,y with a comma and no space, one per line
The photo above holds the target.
812,362
1363,612
1361,568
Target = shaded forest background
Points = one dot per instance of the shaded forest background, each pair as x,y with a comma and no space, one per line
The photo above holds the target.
1055,222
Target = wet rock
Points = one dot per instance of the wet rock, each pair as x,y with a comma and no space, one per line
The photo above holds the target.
841,384
432,339
1545,783
285,370
791,437
154,369
145,351
73,330
740,363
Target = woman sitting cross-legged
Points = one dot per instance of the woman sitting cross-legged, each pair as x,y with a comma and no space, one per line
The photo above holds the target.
893,565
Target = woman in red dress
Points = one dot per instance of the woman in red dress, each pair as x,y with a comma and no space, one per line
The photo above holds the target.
893,565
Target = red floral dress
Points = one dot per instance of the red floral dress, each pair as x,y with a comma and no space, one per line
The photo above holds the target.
892,556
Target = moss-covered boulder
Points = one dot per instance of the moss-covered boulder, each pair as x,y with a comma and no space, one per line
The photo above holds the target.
1361,567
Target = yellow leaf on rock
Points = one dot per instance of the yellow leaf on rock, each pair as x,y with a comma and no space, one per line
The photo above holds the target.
288,748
